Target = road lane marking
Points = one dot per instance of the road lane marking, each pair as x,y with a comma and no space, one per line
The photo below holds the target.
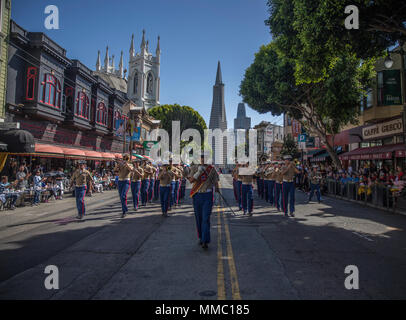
221,289
362,236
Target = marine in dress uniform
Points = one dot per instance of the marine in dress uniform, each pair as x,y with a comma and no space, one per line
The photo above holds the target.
288,187
247,179
145,183
204,178
165,178
178,181
315,180
124,169
80,178
156,185
173,185
136,177
238,186
278,186
151,182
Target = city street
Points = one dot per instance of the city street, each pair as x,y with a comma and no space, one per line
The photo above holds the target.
148,256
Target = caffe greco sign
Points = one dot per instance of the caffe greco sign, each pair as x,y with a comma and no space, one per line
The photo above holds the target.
379,130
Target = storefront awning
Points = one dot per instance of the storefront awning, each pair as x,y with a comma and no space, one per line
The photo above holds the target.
374,153
108,156
118,156
48,150
73,153
93,155
18,141
320,157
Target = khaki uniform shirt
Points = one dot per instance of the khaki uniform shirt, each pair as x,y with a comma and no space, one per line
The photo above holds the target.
147,172
210,180
153,171
315,178
124,171
288,173
137,174
278,175
269,173
165,177
81,177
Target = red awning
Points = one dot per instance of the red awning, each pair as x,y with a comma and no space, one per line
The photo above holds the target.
47,148
118,155
93,155
108,156
374,153
73,153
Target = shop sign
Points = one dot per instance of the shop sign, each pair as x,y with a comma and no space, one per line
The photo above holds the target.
389,128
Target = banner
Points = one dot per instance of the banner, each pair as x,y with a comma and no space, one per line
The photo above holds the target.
149,144
136,135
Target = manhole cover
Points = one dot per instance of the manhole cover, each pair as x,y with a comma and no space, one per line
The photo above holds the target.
207,293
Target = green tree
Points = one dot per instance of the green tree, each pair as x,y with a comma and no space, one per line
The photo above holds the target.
289,146
323,108
311,33
188,117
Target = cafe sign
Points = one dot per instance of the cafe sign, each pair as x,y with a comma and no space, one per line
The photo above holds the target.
379,130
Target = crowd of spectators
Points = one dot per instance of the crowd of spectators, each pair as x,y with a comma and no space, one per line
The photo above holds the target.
364,177
21,183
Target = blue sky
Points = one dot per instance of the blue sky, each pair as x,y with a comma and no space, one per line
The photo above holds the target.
195,34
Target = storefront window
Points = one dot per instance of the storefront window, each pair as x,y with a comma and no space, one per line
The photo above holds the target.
389,88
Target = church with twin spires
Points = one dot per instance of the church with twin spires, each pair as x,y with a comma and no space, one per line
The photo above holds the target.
142,82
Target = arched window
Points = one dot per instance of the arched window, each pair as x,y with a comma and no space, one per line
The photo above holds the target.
82,106
31,78
150,83
51,91
135,82
69,92
101,117
117,118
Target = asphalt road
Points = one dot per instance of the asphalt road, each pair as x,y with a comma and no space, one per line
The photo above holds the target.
147,256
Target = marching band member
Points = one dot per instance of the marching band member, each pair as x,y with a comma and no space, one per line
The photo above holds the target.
266,171
288,187
136,177
156,185
204,178
80,178
124,170
145,183
151,182
233,174
247,179
315,180
173,184
238,185
165,178
278,186
178,181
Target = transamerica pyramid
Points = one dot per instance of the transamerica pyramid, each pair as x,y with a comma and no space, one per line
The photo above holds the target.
218,110
218,116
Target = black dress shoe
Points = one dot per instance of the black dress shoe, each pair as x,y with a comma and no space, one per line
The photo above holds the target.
79,217
123,215
292,214
205,246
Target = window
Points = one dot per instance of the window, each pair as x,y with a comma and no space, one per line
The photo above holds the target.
69,91
101,116
135,83
51,91
150,81
31,78
93,110
366,102
389,88
82,106
117,120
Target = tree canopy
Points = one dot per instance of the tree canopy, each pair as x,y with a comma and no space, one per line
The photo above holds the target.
188,117
311,33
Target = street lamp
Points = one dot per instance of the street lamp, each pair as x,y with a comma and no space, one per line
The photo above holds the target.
388,62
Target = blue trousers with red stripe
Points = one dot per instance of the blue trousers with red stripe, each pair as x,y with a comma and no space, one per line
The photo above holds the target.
203,204
144,191
80,193
164,194
278,191
247,198
288,191
271,191
239,197
156,189
172,194
135,190
176,193
123,187
151,189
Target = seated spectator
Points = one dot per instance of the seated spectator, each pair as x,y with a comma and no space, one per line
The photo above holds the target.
5,185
